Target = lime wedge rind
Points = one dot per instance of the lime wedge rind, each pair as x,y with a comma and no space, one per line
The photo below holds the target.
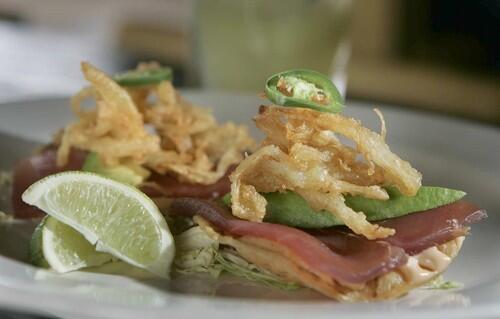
36,246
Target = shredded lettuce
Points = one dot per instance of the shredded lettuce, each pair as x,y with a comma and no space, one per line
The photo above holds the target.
198,261
196,252
440,283
199,253
234,264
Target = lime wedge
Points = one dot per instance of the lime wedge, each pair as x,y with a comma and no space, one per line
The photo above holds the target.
117,218
60,247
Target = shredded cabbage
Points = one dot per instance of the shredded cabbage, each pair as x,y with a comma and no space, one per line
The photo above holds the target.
234,264
199,253
200,260
441,284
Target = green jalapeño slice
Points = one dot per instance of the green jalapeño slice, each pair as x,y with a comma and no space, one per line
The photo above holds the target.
144,77
304,88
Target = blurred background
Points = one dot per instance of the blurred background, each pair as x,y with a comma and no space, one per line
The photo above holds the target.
442,56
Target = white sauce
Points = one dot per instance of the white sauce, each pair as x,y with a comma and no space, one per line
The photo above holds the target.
427,264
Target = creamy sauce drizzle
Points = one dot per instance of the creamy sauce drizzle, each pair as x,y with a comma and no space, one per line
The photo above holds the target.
422,267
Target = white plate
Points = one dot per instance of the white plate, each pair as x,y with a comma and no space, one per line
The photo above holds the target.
448,152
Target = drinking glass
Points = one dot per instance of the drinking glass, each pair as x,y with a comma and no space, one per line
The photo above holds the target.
238,44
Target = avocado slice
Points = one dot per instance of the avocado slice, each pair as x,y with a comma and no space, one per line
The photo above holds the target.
120,173
427,197
289,208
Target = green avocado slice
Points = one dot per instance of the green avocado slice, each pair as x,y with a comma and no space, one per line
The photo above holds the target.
120,173
397,205
291,209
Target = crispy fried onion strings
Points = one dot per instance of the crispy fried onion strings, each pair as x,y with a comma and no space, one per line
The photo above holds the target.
302,153
286,126
270,169
182,139
193,145
114,129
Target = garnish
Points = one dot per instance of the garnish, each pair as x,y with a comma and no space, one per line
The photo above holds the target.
441,284
198,253
144,77
304,88
289,208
